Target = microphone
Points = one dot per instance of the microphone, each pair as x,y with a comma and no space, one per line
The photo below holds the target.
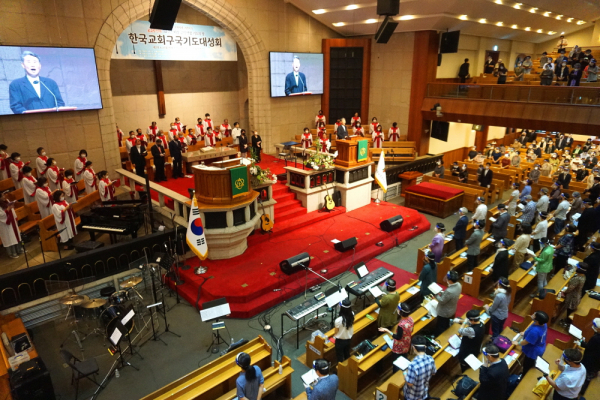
55,101
303,84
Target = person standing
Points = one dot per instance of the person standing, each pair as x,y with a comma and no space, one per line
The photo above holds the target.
474,245
387,306
463,175
573,292
502,73
158,153
394,133
327,385
447,302
591,356
437,244
225,129
439,170
403,334
152,131
41,162
533,342
593,263
527,65
257,145
500,225
175,149
528,216
243,141
377,137
89,178
419,371
342,131
543,264
543,200
493,375
540,231
560,215
460,229
501,262
498,311
373,126
564,248
64,219
512,201
69,187
485,179
344,329
9,229
547,75
250,383
29,186
79,165
569,383
428,274
4,173
521,245
488,66
16,169
138,155
43,197
463,71
355,120
472,332
105,187
480,213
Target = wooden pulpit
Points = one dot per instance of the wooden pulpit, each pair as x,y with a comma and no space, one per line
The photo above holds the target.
213,186
348,152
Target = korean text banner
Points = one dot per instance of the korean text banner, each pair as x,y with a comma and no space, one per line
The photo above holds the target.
184,43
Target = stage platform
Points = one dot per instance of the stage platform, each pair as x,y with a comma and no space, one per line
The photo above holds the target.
249,281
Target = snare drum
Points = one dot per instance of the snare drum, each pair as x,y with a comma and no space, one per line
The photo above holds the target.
120,297
111,316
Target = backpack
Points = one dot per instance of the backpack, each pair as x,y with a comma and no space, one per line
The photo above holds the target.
502,342
513,382
464,387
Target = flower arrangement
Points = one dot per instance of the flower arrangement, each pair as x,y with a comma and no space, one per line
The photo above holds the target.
259,175
320,161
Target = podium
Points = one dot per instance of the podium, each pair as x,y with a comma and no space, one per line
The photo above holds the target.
348,152
213,185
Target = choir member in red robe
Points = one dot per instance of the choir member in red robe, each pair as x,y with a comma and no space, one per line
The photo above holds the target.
16,169
225,129
43,197
374,125
178,125
9,229
130,142
40,161
64,219
79,165
359,130
208,122
69,186
355,120
120,136
29,185
139,135
200,130
53,173
105,187
321,131
306,139
320,118
89,177
394,133
378,138
4,163
152,131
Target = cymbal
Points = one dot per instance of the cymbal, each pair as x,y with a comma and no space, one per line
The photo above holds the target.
94,303
73,300
131,282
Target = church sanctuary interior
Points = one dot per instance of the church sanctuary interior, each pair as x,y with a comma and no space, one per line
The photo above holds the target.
299,199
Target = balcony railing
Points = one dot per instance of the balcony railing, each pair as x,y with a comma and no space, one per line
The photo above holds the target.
586,96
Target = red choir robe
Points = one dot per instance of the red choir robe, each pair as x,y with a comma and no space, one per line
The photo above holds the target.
209,139
70,188
336,126
394,134
320,118
65,220
152,132
183,141
16,172
190,140
40,164
306,140
163,140
208,124
43,196
199,131
359,131
143,139
129,143
322,132
29,188
355,120
79,167
89,176
53,175
225,130
373,126
107,192
324,142
377,140
172,133
9,229
178,126
4,163
120,137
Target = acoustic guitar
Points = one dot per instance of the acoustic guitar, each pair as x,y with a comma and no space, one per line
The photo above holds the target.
329,204
266,223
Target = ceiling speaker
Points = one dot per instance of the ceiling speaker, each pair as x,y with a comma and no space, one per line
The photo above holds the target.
164,14
388,7
385,31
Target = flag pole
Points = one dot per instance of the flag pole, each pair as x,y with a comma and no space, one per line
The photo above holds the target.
377,198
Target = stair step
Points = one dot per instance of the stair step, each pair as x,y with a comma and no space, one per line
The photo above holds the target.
289,214
287,205
284,197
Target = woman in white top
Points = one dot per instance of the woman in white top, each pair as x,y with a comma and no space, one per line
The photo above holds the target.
344,330
9,229
89,176
29,186
43,196
107,191
514,198
64,218
79,165
236,132
53,174
69,186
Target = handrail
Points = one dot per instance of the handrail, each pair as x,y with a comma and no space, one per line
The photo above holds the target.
563,95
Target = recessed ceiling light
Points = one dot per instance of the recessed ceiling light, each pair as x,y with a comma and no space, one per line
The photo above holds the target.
528,29
406,17
482,21
371,21
518,6
514,26
547,14
352,7
559,17
338,24
499,24
570,19
463,17
551,33
533,9
580,22
319,11
539,31
498,2
562,33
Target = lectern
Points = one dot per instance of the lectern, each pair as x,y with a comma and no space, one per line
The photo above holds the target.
213,184
348,152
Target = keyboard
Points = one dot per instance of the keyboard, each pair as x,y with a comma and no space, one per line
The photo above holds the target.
374,278
307,307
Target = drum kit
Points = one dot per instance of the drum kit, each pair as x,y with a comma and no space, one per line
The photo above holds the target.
106,312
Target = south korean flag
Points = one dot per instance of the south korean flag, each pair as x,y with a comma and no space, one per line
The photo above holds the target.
195,234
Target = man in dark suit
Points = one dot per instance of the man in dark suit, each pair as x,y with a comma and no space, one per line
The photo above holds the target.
561,142
500,225
32,92
523,139
594,191
493,375
485,179
158,152
138,155
568,141
342,131
460,229
175,149
593,263
295,81
550,147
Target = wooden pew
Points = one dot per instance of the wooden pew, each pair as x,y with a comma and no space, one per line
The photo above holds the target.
449,248
364,328
274,381
551,304
458,264
524,390
216,378
7,184
471,193
491,194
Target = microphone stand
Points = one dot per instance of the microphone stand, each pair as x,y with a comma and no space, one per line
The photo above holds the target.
41,245
55,101
320,276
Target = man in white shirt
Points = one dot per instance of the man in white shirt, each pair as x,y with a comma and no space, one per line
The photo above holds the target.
236,132
543,202
225,129
540,230
480,211
560,215
568,384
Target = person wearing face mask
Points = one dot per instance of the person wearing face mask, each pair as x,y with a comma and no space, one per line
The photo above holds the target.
499,228
437,244
428,274
560,215
16,169
455,169
89,178
586,227
514,198
158,153
9,228
394,133
43,197
564,177
501,71
569,383
447,302
575,75
587,145
69,187
526,190
591,355
534,174
41,161
541,229
130,142
387,306
554,163
572,294
210,138
107,191
403,334
519,72
243,139
591,71
306,139
377,137
460,229
496,154
463,174
547,75
344,329
485,179
576,206
546,168
439,170
64,219
208,123
578,150
358,130
53,174
533,341
480,210
473,244
498,311
326,386
256,144
493,375
472,332
79,165
373,126
138,155
419,371
527,65
29,186
355,120
550,147
176,149
565,248
562,72
320,118
543,264
594,191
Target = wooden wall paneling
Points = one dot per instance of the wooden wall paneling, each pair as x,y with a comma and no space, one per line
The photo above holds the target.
455,155
160,89
481,138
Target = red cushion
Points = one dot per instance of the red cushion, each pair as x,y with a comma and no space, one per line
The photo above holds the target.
435,191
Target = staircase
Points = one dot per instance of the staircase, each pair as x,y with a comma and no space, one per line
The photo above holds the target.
287,206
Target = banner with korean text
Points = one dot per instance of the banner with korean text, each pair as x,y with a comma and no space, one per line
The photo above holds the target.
184,43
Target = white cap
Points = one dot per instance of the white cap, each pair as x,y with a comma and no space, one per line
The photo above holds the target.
596,322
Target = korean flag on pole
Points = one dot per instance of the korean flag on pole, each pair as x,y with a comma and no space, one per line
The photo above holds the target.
195,234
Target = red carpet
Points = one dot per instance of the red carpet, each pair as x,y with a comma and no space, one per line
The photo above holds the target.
248,281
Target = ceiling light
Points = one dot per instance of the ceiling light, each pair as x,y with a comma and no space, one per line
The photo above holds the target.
518,6
463,17
499,24
562,33
352,7
482,21
533,10
580,22
551,33
406,17
547,14
371,21
570,19
498,2
539,31
319,11
514,26
558,17
338,24
528,29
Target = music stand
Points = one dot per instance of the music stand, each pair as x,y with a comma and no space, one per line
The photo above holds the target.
115,338
55,235
213,310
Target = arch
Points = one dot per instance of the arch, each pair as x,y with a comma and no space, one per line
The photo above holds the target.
224,14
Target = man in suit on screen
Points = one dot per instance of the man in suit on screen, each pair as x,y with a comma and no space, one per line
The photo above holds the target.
295,81
33,92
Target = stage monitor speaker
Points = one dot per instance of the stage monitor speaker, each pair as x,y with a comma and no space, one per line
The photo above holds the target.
295,264
449,42
164,14
346,245
391,224
337,198
385,31
388,7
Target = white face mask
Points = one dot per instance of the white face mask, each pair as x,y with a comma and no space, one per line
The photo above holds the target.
62,198
18,159
43,153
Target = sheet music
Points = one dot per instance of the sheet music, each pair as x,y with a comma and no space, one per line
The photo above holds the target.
362,271
115,336
402,363
452,351
455,341
375,291
473,362
127,317
542,365
435,288
336,298
215,312
575,331
310,377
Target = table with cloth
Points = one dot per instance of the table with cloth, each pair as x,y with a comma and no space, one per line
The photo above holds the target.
434,199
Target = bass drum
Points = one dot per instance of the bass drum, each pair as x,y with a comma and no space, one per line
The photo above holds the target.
111,316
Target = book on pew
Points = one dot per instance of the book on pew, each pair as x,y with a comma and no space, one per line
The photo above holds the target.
435,288
431,308
455,341
413,290
575,331
402,363
473,362
542,365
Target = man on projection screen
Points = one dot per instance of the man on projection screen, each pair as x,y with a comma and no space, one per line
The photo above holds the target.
33,92
295,82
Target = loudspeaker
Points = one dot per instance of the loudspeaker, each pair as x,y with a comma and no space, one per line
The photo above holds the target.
337,198
295,264
449,42
391,224
346,245
36,385
385,31
439,59
164,14
388,7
